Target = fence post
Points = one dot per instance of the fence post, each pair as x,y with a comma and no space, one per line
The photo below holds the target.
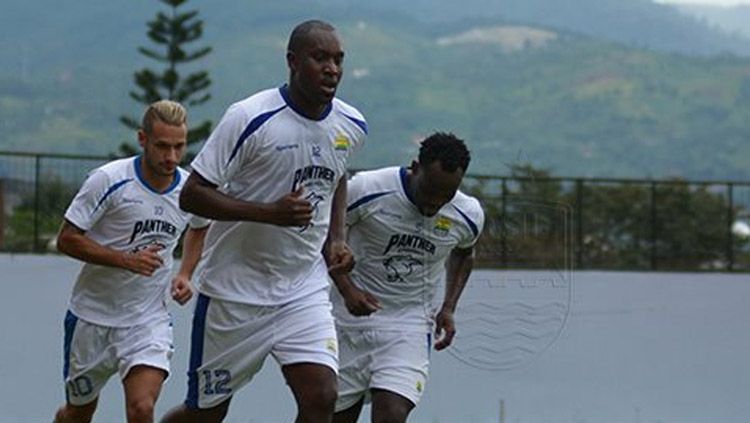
37,184
2,215
730,219
579,223
654,234
503,225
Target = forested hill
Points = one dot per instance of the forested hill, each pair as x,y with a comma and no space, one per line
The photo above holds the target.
563,98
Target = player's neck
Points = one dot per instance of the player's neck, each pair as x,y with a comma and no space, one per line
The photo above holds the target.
309,109
157,182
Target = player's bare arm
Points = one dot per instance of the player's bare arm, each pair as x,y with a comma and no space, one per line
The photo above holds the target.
357,301
338,256
181,288
458,268
201,197
72,241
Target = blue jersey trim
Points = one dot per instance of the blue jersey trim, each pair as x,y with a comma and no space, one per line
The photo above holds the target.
111,189
139,174
253,126
362,124
366,199
196,349
404,185
472,225
284,91
70,326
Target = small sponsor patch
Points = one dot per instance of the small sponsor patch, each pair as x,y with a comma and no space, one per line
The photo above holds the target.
341,142
442,225
331,345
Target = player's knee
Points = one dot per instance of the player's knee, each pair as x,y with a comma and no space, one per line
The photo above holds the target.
323,398
72,413
140,410
392,412
391,415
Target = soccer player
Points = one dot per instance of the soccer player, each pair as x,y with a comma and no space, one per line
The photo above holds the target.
272,176
124,224
405,226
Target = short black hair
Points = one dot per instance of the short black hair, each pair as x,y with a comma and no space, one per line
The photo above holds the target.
450,150
300,32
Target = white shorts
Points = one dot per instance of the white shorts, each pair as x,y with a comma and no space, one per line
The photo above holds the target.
230,341
394,361
93,353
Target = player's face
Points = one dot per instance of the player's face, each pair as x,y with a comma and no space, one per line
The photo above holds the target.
164,147
435,187
316,70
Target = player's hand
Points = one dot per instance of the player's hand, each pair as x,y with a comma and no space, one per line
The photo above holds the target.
181,289
339,258
291,210
360,303
145,261
445,329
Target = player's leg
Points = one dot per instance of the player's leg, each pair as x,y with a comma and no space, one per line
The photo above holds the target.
307,350
87,367
389,407
351,414
183,414
399,373
314,389
143,355
69,413
142,386
354,374
229,344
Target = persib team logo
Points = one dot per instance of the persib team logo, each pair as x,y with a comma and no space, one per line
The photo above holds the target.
442,225
341,143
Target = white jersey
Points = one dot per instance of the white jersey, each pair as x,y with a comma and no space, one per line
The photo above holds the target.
400,253
118,209
261,150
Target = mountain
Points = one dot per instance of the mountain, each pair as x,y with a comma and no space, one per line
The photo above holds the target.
639,23
735,19
571,102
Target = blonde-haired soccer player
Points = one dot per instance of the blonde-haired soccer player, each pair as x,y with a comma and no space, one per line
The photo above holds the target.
124,224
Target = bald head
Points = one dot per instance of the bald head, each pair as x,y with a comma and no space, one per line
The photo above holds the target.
301,33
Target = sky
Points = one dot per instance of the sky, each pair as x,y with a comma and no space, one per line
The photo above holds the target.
709,2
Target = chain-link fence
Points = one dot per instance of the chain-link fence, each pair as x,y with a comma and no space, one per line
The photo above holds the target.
531,222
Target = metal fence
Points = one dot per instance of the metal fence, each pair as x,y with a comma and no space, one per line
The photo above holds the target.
531,222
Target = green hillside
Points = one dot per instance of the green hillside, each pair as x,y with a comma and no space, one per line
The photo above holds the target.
559,100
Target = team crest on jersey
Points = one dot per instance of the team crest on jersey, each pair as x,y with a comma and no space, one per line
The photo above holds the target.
442,225
341,143
400,266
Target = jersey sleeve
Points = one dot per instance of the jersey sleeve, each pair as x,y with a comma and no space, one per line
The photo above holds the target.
355,192
198,222
92,200
221,155
474,217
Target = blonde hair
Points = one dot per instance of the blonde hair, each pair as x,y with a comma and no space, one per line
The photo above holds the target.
167,111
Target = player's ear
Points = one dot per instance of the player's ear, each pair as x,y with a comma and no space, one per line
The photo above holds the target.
291,60
142,138
414,167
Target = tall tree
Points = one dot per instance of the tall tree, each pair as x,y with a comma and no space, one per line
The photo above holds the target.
171,32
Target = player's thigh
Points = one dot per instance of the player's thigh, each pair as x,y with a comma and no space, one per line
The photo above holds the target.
88,360
143,384
147,347
400,363
229,344
389,407
355,347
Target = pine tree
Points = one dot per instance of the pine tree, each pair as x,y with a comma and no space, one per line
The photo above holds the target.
171,33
